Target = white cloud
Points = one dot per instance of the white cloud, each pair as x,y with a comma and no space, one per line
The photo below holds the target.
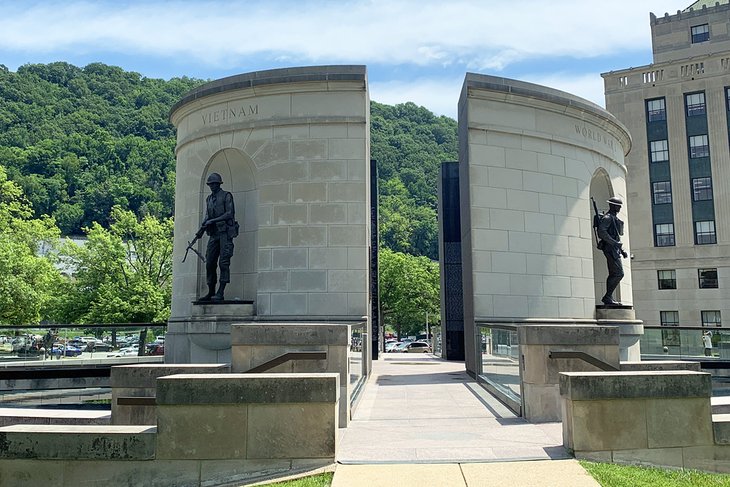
476,34
441,96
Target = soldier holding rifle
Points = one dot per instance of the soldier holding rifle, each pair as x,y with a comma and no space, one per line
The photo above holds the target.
609,231
221,226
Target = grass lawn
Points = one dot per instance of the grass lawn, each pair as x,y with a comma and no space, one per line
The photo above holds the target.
610,475
320,480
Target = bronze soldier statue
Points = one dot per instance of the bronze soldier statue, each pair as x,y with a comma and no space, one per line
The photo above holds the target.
610,229
221,226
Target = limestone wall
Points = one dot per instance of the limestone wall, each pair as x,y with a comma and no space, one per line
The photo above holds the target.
527,157
292,145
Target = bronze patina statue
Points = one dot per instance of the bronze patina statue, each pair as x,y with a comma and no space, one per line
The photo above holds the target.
609,231
221,226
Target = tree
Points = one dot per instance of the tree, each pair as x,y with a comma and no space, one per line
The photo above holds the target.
28,280
124,273
409,288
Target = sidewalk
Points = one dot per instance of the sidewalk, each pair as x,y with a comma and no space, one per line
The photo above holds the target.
423,421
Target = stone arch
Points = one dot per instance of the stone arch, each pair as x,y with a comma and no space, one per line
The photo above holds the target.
600,190
238,173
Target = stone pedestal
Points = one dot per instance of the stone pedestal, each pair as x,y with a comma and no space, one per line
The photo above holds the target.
541,373
255,344
205,337
630,329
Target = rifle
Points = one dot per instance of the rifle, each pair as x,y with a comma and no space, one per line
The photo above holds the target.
190,247
596,221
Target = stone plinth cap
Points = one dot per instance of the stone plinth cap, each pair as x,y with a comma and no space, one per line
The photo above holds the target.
587,386
78,442
507,86
568,335
248,388
291,334
660,365
145,375
274,76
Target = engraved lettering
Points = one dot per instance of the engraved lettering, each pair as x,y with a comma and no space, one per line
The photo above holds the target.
229,114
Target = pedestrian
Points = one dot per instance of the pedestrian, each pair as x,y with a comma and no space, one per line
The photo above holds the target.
707,342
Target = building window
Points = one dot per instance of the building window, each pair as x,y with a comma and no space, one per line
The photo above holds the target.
662,191
698,146
702,189
669,318
667,279
705,232
656,110
711,318
659,150
664,234
708,278
695,103
700,33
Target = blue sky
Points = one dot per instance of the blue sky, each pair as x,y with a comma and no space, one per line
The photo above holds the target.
415,50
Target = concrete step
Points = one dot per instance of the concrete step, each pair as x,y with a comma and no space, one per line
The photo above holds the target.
10,416
721,428
720,404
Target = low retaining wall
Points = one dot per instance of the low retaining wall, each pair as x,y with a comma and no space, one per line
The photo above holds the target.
660,418
212,429
140,381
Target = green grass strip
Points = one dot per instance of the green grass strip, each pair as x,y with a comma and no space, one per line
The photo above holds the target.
611,475
319,480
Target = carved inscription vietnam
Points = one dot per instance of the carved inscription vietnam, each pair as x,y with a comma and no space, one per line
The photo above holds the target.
230,114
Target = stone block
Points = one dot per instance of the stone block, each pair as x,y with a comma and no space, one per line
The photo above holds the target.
542,403
357,213
484,197
347,280
282,173
273,281
324,304
347,235
542,306
347,149
357,170
291,258
272,152
328,258
214,473
571,334
526,242
309,431
537,182
273,237
328,170
663,416
289,304
521,159
328,131
327,213
309,149
624,385
31,472
487,155
506,219
290,334
308,192
308,281
483,239
357,304
289,214
655,457
309,236
609,425
715,458
659,365
721,428
554,204
157,473
88,442
505,178
182,434
347,192
537,222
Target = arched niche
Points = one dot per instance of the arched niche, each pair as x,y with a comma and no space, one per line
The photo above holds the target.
237,171
601,189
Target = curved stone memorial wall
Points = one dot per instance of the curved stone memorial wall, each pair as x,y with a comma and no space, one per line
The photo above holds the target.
530,159
293,147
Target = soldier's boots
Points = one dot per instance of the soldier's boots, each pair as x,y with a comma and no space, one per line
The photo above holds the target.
218,296
609,301
210,295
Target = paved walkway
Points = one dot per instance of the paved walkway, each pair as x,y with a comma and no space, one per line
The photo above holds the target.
423,421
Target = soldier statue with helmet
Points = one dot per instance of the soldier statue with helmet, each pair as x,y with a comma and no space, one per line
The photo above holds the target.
221,226
609,231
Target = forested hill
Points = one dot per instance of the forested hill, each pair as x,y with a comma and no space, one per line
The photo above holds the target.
82,140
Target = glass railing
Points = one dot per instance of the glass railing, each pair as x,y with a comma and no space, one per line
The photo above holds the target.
683,342
78,342
357,357
499,367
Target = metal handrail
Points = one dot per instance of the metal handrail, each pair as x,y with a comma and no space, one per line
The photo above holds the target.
584,357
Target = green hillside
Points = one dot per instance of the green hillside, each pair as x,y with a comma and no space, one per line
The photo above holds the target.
79,141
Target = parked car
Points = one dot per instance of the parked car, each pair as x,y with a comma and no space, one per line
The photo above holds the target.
125,352
65,350
98,346
399,347
156,349
390,346
416,347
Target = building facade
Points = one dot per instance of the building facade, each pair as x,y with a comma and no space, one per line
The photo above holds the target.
678,113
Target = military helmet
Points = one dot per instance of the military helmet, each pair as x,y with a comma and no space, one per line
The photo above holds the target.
615,200
214,178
